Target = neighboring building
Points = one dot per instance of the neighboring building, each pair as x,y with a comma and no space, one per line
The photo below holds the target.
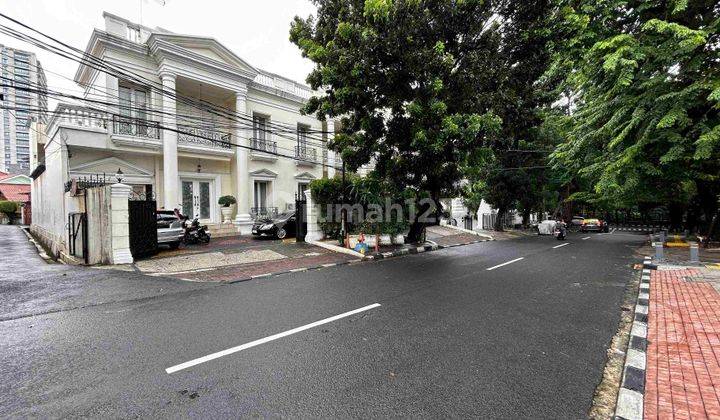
16,188
22,70
189,164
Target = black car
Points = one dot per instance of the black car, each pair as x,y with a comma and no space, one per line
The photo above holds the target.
280,226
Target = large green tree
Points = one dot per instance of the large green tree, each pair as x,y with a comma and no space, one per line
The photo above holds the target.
405,77
515,176
647,127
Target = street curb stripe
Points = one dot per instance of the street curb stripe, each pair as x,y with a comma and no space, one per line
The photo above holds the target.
504,264
630,398
273,337
415,250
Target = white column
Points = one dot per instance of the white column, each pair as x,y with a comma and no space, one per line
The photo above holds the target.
242,219
171,181
330,153
119,228
314,233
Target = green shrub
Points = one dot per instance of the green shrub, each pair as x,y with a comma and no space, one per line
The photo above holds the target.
227,200
9,208
367,192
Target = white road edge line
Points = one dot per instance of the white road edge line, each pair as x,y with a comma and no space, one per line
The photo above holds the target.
586,238
561,245
505,263
246,346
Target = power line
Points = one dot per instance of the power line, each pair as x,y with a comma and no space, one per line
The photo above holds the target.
91,60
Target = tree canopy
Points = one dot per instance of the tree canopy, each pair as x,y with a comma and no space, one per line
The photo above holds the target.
646,128
404,78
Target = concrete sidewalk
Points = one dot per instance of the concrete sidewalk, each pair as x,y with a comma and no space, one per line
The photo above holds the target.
683,354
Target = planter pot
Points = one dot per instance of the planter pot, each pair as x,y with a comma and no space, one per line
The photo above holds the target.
226,214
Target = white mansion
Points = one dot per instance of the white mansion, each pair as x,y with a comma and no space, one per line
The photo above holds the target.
184,153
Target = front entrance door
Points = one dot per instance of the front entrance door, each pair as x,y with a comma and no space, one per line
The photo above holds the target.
197,199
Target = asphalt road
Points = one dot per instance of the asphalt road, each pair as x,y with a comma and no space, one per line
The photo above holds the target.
450,338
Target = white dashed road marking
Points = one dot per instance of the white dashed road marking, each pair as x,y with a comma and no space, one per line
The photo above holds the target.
586,238
505,263
561,245
246,346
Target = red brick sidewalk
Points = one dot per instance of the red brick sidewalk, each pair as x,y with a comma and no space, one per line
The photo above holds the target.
683,356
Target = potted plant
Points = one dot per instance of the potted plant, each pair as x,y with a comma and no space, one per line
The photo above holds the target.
226,201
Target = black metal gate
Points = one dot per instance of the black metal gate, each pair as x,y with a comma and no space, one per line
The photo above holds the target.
77,229
142,221
300,217
468,222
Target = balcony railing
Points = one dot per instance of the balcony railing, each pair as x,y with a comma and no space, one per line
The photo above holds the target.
306,154
263,212
77,116
135,127
203,137
262,145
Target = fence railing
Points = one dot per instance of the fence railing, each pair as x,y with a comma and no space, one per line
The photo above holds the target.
262,145
307,154
203,137
135,127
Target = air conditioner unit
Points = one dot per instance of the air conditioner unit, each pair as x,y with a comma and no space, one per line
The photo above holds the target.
290,207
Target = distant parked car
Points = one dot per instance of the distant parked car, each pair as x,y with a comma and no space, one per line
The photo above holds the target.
592,225
576,222
169,228
281,226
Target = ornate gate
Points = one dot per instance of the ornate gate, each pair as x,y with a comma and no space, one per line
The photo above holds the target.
142,220
300,217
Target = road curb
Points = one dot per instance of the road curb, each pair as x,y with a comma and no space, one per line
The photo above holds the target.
632,388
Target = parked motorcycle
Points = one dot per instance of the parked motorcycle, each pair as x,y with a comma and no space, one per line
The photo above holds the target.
195,233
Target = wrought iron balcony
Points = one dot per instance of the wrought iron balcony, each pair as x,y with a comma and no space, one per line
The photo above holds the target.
306,154
203,137
134,127
263,212
262,145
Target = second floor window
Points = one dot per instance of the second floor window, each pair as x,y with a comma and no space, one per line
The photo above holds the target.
302,135
133,103
260,127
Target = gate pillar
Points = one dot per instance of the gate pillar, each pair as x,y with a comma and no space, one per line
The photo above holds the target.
314,233
119,229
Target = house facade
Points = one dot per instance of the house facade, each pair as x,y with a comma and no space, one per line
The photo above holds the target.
191,122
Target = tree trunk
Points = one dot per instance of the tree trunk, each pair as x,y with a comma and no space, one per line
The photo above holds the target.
526,218
499,220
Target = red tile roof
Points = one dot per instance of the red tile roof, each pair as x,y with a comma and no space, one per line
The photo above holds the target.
4,175
14,192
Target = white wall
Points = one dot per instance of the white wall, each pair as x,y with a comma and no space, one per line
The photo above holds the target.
48,200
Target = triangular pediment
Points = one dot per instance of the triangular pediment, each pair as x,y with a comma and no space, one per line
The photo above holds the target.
305,176
109,166
263,173
207,48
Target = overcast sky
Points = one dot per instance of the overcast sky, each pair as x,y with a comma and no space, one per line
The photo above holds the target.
257,31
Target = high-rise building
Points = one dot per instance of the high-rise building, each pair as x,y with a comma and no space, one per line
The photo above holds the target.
22,78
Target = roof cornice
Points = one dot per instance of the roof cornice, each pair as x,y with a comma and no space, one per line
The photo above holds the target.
98,43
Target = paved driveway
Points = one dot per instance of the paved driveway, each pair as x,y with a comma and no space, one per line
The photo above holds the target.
237,258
